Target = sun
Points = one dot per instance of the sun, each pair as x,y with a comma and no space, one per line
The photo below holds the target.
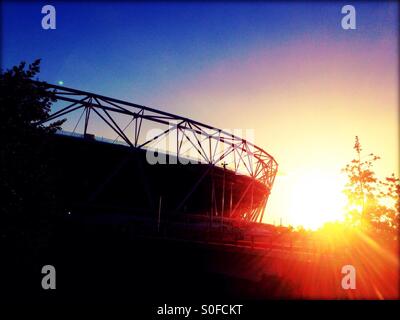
316,198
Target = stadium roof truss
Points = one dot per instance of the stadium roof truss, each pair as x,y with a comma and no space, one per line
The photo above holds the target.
128,121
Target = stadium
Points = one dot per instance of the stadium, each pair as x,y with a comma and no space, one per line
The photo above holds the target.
97,176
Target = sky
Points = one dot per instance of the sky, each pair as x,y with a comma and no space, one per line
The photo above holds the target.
286,70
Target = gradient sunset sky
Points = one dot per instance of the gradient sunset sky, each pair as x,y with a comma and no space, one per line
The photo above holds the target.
287,70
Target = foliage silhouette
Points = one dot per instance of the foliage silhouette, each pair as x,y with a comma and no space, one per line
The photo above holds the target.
369,197
28,202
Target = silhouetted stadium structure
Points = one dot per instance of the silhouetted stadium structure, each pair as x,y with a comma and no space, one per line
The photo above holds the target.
231,181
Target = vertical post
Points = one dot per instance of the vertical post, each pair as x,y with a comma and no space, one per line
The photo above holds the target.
212,195
210,159
210,163
223,198
264,204
177,145
223,191
159,215
252,199
231,200
87,114
234,154
135,131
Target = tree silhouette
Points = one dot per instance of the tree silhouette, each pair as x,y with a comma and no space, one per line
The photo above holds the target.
25,186
361,186
368,196
24,102
389,190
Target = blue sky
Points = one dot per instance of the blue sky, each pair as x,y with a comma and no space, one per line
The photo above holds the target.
109,47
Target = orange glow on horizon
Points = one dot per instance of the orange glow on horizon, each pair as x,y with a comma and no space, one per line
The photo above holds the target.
306,100
316,198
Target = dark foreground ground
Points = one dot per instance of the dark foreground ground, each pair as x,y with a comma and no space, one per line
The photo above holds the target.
102,264
110,264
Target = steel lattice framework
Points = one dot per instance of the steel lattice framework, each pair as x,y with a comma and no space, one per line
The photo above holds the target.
128,121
